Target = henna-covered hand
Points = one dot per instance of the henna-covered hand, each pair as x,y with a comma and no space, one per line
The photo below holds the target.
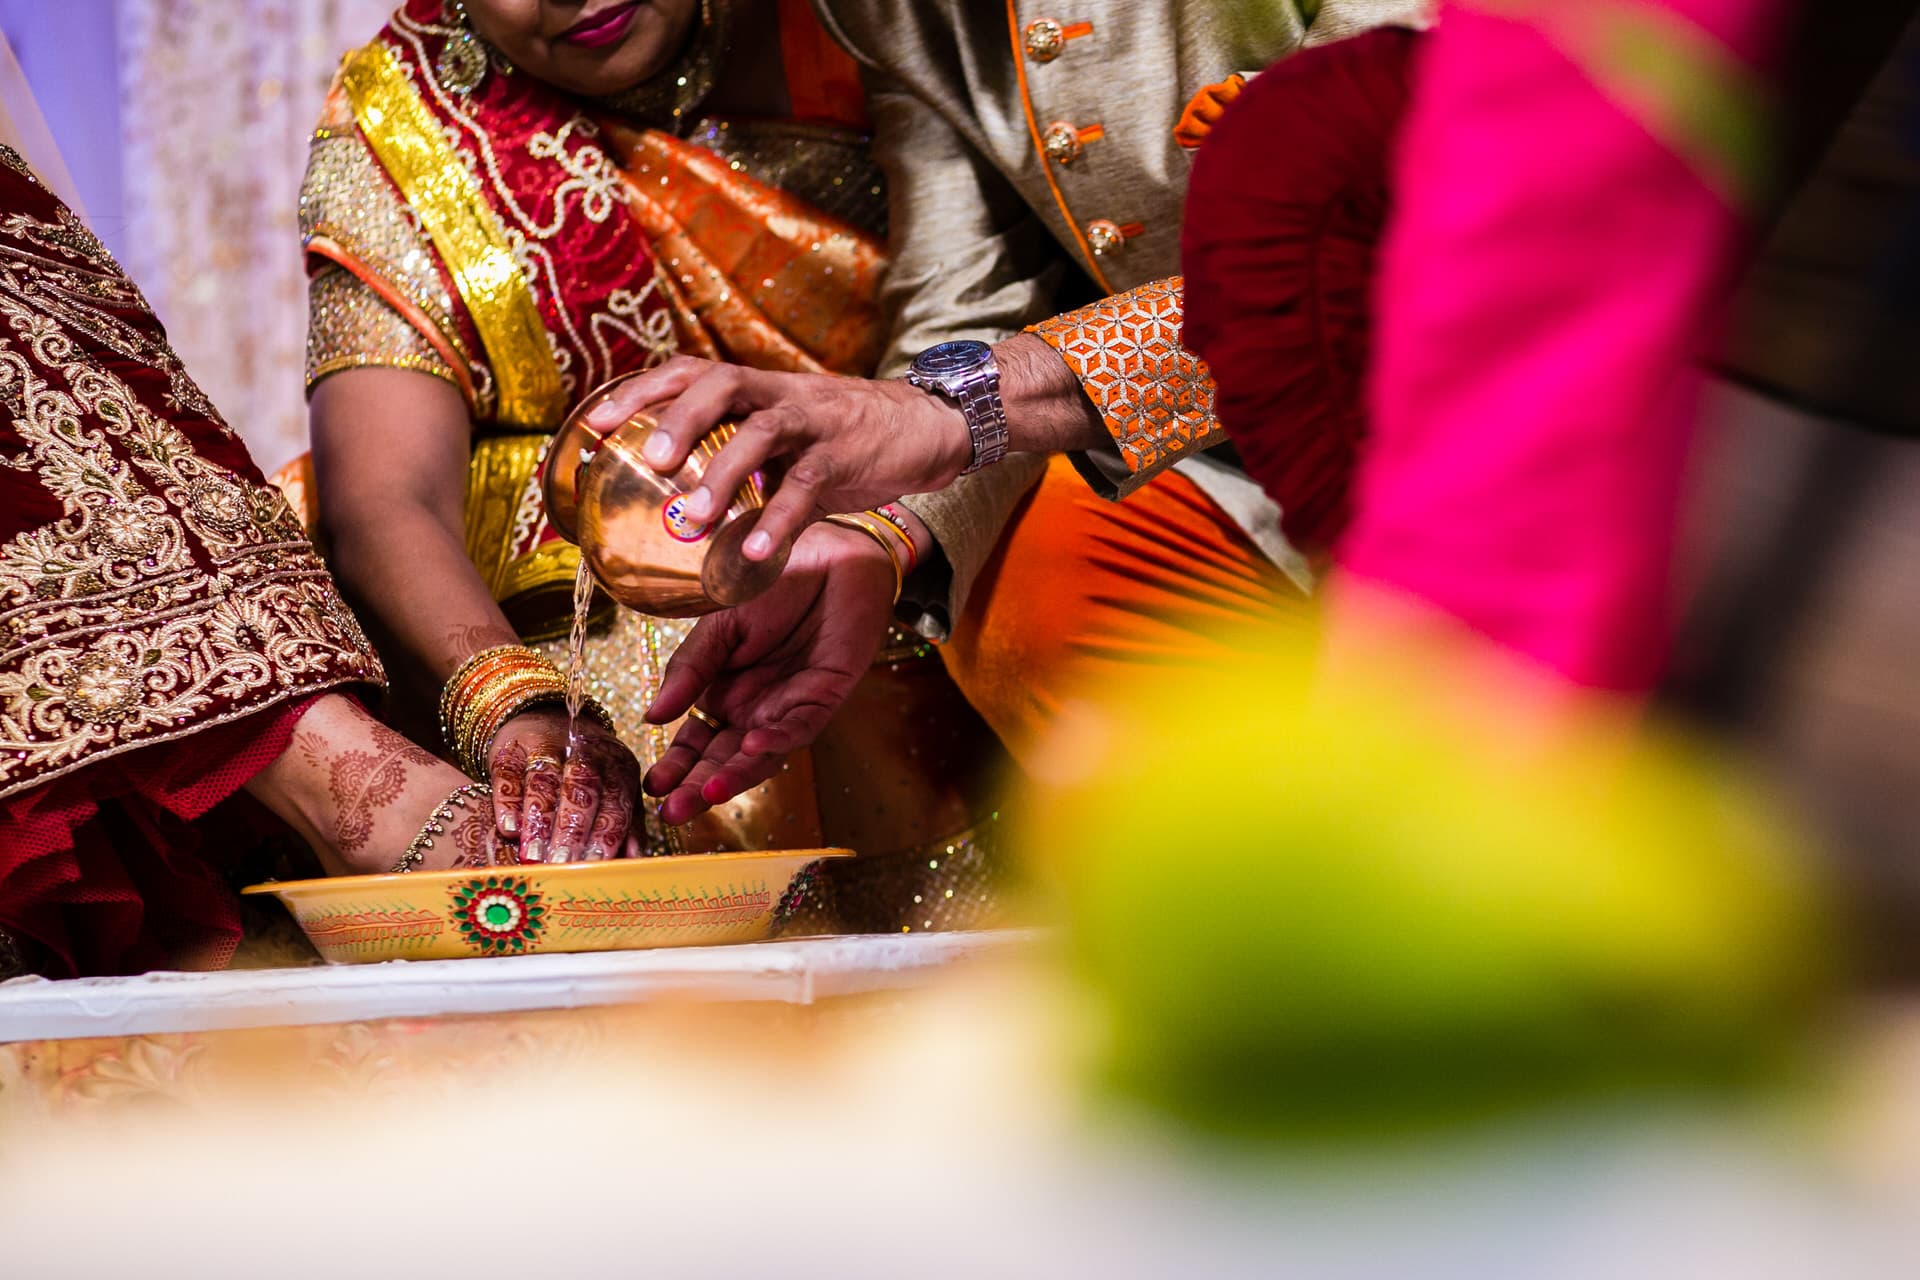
560,807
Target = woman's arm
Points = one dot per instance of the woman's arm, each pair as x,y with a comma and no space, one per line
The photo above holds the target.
390,449
390,455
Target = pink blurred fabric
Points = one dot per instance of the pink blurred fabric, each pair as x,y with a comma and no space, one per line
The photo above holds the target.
1550,273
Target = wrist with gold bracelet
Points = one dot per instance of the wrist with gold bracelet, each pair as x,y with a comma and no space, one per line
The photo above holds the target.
872,525
488,688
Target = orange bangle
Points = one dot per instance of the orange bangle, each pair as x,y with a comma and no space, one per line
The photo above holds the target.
489,689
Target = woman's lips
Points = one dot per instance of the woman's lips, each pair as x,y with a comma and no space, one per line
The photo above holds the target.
602,28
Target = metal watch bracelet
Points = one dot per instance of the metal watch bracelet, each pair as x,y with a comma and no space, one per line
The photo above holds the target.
978,395
964,371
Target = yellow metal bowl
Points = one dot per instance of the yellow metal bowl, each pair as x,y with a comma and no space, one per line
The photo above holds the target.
698,900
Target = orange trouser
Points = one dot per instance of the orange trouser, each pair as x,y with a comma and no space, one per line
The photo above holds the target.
1086,597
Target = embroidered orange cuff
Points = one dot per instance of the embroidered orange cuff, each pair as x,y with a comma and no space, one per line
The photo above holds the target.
1155,396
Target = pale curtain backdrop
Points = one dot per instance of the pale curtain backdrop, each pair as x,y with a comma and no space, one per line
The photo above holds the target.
218,100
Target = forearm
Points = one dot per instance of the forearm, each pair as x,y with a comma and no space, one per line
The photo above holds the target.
430,601
391,451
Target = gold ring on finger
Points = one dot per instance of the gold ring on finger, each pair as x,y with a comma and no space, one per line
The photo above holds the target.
695,713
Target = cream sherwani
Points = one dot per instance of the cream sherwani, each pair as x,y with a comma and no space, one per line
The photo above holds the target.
1033,168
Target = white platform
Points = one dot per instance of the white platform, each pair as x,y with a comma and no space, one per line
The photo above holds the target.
794,972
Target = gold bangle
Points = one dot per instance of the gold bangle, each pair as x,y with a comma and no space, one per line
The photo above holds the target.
485,692
866,526
604,717
465,696
457,682
500,704
888,523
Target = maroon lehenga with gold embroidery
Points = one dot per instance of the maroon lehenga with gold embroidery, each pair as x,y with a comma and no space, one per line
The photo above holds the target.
526,246
164,620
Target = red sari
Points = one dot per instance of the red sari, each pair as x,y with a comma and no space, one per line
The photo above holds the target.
528,246
163,619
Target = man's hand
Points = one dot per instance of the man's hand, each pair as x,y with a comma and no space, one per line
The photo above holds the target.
845,444
772,672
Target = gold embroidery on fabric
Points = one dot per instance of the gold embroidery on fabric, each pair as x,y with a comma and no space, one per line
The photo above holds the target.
115,635
68,236
630,313
469,236
80,297
500,472
350,212
533,580
349,326
588,170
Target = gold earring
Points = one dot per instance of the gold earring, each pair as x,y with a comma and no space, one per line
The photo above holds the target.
462,63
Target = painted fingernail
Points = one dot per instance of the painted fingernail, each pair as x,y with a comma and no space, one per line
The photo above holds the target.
560,855
658,450
534,851
510,825
758,546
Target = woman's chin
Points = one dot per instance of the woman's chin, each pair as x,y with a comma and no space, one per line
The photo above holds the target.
610,79
647,51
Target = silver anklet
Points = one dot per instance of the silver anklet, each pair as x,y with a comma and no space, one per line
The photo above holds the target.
437,823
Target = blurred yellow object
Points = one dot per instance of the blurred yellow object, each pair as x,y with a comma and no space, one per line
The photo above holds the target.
1345,906
697,900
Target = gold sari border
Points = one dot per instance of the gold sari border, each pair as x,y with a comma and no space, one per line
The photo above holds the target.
501,470
407,140
415,364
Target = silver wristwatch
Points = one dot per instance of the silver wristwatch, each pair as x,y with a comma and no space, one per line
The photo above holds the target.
965,373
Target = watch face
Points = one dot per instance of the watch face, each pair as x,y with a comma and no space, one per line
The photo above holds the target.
949,358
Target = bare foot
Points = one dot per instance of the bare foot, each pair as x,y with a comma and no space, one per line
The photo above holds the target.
359,793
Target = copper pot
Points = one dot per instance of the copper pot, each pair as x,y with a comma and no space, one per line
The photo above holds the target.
627,519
